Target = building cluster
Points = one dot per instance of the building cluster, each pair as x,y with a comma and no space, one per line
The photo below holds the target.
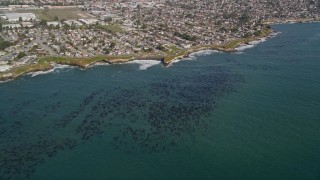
120,27
19,3
14,17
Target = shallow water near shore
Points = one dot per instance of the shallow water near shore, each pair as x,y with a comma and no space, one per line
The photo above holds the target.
253,115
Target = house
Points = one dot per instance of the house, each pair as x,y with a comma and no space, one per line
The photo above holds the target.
88,21
11,26
26,24
54,23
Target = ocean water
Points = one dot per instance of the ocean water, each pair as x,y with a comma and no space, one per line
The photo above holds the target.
248,115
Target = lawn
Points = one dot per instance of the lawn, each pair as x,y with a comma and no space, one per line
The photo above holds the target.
112,28
44,64
233,44
81,62
50,14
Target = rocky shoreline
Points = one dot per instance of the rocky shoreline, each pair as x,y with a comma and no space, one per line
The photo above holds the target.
46,64
273,22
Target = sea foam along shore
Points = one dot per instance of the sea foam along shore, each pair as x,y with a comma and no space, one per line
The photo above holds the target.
241,47
194,55
54,69
166,60
145,64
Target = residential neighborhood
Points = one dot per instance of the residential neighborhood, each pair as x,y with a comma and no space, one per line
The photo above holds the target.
159,89
120,27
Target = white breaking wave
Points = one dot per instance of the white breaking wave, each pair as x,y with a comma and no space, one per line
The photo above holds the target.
190,57
204,53
251,44
33,74
258,41
243,47
179,59
145,64
195,55
55,68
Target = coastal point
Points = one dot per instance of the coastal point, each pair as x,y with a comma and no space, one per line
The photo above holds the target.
34,35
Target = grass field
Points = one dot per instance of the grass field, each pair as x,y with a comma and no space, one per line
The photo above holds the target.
44,64
50,14
81,62
111,28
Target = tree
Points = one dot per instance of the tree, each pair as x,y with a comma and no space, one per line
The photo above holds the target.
0,27
149,49
20,18
258,33
107,51
138,22
50,27
43,23
4,44
21,55
66,26
56,18
112,45
244,18
186,36
144,26
108,19
247,35
160,47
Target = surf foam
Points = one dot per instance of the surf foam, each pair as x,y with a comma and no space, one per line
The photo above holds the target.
55,68
145,64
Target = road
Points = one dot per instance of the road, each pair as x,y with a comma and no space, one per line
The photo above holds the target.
39,41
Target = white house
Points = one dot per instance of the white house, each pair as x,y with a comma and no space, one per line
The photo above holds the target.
54,23
11,26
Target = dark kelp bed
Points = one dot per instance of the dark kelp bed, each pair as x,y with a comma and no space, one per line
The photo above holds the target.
172,114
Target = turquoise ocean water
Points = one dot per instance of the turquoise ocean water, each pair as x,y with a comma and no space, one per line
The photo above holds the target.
248,115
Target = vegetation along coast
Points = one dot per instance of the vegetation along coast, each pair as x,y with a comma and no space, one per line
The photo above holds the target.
34,36
46,63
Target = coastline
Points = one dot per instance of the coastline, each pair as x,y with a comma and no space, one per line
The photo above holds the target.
290,21
47,63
